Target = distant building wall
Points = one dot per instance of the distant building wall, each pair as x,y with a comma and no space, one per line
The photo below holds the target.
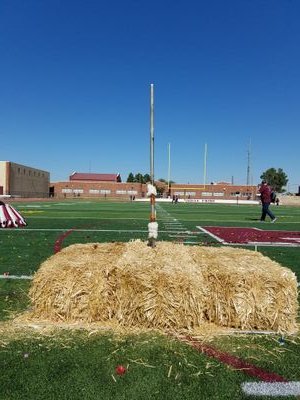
119,190
214,191
3,177
124,190
23,181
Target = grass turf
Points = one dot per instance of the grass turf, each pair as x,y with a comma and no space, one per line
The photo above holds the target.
73,365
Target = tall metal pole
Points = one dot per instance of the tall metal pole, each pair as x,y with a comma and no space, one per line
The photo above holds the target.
249,163
169,167
205,157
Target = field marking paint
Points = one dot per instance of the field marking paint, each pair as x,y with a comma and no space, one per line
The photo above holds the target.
271,244
16,277
271,388
212,235
86,230
177,228
235,362
60,239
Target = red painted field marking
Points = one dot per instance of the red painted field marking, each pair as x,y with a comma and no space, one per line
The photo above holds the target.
235,362
60,239
252,236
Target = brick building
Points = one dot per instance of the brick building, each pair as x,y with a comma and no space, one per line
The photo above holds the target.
18,180
97,186
214,192
111,186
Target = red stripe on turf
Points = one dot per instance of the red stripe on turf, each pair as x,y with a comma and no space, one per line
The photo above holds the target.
236,362
60,239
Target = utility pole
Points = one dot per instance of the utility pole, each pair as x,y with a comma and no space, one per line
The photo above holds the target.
169,167
205,160
249,164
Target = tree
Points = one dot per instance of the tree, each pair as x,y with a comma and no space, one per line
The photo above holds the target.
147,178
130,177
139,178
276,179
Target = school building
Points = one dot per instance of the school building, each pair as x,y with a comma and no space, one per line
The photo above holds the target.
94,185
21,181
111,186
17,180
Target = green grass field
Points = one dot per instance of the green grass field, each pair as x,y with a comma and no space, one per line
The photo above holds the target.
81,365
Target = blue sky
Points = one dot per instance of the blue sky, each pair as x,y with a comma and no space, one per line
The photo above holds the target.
75,86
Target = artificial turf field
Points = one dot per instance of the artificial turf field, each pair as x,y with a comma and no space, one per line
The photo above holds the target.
81,365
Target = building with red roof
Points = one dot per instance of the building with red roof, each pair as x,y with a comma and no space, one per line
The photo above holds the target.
92,177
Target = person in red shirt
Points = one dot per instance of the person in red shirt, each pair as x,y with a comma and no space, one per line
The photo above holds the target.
265,197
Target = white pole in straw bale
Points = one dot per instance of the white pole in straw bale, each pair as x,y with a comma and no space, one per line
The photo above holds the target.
152,133
152,226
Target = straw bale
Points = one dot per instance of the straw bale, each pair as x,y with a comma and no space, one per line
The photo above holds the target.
171,286
247,290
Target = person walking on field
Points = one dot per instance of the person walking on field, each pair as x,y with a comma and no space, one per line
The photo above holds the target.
265,196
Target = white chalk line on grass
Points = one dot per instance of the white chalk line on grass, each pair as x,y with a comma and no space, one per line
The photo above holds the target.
271,388
16,277
80,217
175,228
98,230
217,238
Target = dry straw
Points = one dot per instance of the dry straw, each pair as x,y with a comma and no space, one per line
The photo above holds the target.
169,287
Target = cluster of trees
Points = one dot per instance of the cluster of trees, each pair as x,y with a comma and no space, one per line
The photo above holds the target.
146,178
277,179
138,178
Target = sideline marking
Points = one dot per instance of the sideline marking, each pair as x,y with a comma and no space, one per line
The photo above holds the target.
61,238
16,276
236,236
235,362
89,230
271,388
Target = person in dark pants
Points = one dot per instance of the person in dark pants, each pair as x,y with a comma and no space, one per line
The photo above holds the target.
265,197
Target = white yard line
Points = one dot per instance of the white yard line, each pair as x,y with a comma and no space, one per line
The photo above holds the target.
271,388
212,235
16,277
92,230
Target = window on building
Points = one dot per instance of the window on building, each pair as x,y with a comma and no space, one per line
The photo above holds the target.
190,193
94,191
219,194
